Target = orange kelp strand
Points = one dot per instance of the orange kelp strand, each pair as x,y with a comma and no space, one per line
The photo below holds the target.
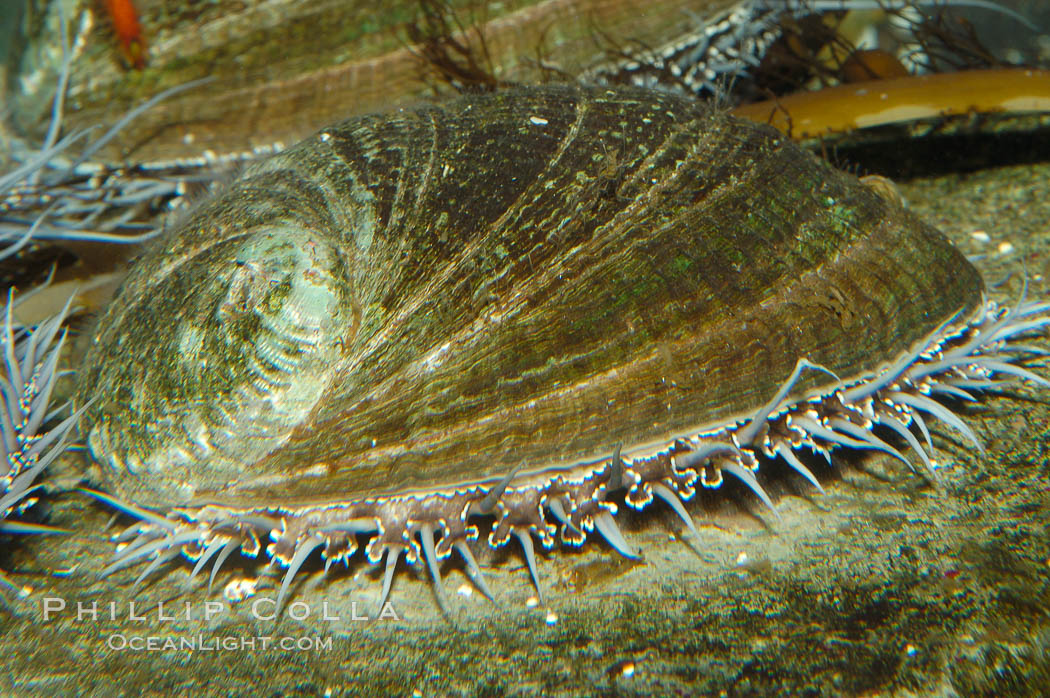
879,102
129,31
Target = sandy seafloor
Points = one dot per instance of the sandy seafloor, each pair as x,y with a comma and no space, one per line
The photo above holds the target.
883,586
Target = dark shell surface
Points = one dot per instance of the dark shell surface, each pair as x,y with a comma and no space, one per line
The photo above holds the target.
413,319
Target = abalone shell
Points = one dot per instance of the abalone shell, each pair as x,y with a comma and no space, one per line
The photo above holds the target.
515,304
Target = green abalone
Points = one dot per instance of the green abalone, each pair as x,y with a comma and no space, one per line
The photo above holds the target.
505,309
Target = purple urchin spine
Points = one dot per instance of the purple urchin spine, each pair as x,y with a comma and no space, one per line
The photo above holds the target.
30,359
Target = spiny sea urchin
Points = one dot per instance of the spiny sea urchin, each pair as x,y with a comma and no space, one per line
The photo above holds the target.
31,362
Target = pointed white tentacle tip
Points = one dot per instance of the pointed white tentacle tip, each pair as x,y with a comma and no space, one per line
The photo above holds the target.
227,550
525,538
426,535
302,551
473,570
674,501
160,559
749,479
392,555
785,451
206,554
606,525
